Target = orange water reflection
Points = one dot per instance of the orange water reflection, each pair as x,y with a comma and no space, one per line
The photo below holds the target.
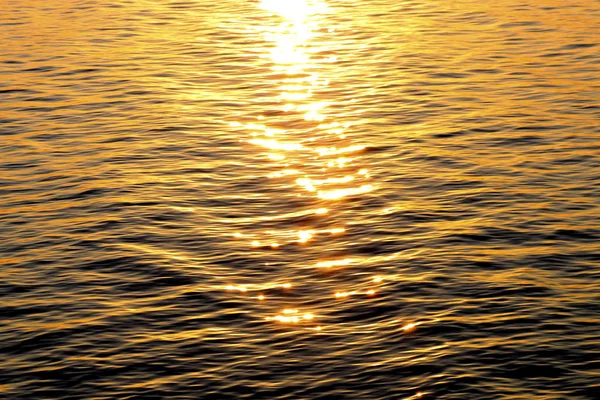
306,140
311,155
308,147
298,50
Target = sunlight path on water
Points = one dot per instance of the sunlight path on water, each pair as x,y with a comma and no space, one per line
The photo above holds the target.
308,141
306,147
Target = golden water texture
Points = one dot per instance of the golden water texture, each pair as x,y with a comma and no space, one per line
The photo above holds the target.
300,199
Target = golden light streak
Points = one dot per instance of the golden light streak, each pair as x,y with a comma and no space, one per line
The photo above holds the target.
329,151
284,319
304,236
311,184
314,116
340,193
276,157
285,172
306,183
276,145
334,263
291,54
312,111
341,295
418,395
233,288
410,327
293,10
296,96
345,179
291,315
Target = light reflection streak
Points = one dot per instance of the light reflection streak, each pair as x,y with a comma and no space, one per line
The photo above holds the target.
304,236
334,263
418,395
340,193
257,288
276,157
410,327
306,149
296,44
233,288
327,151
278,217
276,145
285,172
292,316
343,295
279,238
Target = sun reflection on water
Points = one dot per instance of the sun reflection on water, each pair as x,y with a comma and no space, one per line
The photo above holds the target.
298,50
308,148
292,316
334,263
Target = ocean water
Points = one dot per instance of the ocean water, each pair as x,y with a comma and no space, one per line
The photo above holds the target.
301,199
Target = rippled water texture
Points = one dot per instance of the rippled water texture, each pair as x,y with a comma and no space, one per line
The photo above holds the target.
301,199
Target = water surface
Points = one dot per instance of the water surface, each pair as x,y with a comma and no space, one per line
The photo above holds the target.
300,199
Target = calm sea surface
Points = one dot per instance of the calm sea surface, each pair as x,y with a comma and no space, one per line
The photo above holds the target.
301,199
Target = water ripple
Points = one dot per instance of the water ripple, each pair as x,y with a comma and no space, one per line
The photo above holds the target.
309,199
